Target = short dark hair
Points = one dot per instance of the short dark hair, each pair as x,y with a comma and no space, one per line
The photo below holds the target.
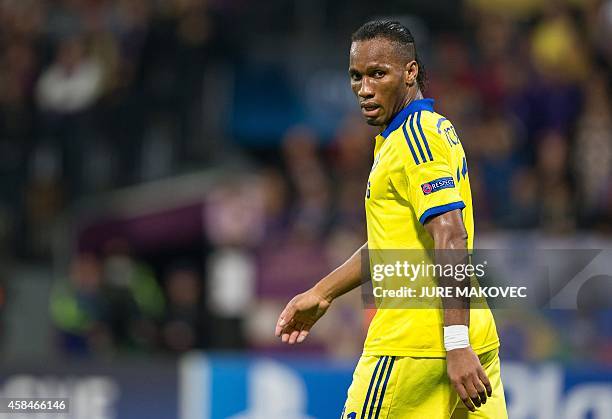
393,31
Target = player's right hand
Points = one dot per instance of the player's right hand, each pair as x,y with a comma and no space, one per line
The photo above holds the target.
300,314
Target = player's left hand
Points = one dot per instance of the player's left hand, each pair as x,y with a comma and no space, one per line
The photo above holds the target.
468,377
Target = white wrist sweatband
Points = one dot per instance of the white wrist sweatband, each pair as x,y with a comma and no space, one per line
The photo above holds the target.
456,337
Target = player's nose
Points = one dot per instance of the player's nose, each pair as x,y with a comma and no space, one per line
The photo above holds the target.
365,89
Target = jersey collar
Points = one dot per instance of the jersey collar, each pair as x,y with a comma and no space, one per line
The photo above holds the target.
414,106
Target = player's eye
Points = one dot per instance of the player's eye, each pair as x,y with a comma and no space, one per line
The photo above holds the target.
355,76
378,74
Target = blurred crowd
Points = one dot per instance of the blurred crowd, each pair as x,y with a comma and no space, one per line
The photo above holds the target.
100,94
531,99
94,95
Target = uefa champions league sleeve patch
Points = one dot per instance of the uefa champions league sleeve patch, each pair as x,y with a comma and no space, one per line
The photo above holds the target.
438,184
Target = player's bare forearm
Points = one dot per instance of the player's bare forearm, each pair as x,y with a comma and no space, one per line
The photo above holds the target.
302,312
450,239
465,372
343,279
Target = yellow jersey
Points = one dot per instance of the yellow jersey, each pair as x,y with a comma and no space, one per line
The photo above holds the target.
419,170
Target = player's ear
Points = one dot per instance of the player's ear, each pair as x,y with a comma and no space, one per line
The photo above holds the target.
411,73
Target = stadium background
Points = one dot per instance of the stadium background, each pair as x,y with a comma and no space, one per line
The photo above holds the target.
172,171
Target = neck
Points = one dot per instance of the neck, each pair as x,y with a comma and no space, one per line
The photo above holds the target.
411,96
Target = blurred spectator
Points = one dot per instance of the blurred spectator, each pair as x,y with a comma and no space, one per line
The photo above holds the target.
592,154
275,202
600,27
136,300
558,212
312,195
80,310
538,341
557,50
233,214
352,151
523,211
495,147
73,81
231,292
183,321
104,306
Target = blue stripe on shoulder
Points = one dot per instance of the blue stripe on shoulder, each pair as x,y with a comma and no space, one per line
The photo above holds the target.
441,209
414,156
423,135
416,139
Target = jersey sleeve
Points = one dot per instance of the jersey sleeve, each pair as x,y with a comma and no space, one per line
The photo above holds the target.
426,178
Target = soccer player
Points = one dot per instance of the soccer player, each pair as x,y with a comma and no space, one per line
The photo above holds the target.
417,363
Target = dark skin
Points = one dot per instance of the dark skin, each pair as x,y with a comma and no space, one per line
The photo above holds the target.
384,79
464,370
